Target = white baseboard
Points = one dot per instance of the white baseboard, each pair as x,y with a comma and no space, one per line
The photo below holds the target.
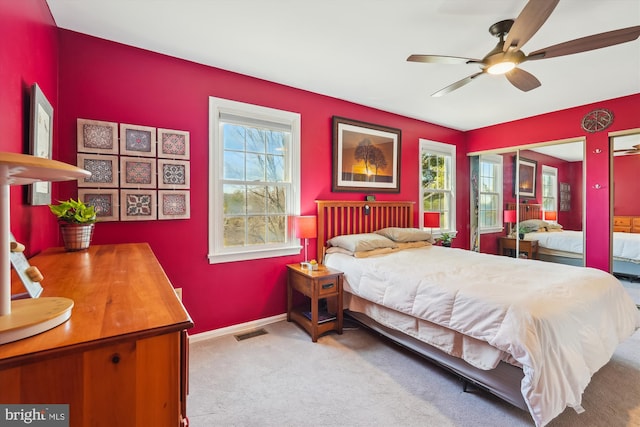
235,329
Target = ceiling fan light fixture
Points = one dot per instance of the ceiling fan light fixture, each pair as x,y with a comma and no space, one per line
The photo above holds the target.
501,67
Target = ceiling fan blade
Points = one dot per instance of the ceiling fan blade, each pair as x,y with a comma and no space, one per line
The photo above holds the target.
523,80
532,17
596,41
440,59
456,85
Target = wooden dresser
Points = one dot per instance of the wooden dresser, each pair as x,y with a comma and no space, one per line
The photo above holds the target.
626,224
121,359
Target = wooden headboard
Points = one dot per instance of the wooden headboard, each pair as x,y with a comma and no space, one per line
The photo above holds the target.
527,210
336,217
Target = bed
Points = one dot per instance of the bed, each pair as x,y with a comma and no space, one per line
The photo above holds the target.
489,319
567,246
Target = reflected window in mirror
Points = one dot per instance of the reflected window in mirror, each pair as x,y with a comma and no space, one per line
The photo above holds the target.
490,191
549,188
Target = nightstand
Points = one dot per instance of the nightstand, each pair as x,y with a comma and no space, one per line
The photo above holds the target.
315,285
507,246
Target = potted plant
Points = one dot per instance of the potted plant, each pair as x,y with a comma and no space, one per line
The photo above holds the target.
445,240
522,230
76,221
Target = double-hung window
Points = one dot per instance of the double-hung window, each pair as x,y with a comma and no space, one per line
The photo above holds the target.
490,193
438,186
254,172
549,188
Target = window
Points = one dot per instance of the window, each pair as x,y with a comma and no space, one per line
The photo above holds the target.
438,186
254,172
490,193
549,188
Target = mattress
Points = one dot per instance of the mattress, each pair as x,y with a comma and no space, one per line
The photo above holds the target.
626,246
521,308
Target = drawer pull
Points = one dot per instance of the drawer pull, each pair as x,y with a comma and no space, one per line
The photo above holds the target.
115,359
328,285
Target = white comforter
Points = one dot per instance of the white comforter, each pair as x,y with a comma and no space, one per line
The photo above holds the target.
562,323
626,246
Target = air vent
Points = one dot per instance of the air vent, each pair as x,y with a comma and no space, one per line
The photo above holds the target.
246,336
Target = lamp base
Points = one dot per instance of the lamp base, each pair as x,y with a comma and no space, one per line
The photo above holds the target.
308,265
30,317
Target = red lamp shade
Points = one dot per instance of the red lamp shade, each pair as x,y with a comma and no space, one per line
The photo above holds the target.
550,215
306,227
509,216
432,219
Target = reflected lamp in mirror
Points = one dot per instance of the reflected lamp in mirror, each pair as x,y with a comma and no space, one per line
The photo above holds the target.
510,218
550,216
432,220
306,228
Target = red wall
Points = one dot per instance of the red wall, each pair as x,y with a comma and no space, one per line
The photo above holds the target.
565,124
28,54
627,185
102,80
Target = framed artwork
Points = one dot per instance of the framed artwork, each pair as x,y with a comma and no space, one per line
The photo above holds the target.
138,205
137,140
137,172
525,184
94,136
173,144
366,157
105,202
173,174
173,204
40,142
104,170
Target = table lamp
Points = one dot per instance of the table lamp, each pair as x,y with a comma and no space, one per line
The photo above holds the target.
27,317
431,220
306,228
550,216
510,218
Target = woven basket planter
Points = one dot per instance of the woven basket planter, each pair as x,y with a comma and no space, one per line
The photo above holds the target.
76,237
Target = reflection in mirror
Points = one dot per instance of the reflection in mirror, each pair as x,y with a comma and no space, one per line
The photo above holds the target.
544,191
626,212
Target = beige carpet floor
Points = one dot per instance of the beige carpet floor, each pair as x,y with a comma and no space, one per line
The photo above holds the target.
359,379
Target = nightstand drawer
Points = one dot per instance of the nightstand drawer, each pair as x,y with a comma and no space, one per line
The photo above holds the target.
326,287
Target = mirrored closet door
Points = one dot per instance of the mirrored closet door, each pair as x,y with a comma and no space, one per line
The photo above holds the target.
540,192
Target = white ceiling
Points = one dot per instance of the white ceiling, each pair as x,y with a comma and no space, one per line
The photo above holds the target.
356,50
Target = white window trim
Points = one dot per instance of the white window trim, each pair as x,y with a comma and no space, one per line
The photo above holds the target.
496,159
447,150
217,253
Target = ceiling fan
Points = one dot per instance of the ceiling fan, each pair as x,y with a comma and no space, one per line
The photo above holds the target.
635,149
507,55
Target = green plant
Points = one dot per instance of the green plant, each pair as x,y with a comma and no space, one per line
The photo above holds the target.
74,211
445,239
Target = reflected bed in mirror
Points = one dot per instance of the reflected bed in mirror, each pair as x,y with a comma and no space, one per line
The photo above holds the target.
567,246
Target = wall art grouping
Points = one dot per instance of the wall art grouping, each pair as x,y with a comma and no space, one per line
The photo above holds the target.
140,174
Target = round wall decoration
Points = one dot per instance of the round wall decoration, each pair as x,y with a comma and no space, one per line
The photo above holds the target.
597,120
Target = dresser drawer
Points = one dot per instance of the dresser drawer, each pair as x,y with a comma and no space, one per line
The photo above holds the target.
622,221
